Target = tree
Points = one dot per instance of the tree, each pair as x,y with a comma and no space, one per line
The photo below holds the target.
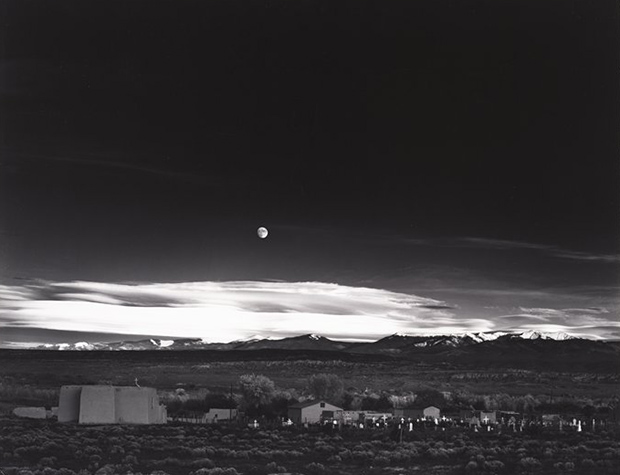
379,404
326,386
256,390
429,397
351,402
219,401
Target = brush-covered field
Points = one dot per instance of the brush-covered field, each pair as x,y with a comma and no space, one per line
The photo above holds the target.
50,448
45,447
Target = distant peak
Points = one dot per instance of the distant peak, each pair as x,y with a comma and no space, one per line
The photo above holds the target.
252,338
536,335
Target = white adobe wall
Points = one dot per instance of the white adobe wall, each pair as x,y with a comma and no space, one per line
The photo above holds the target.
133,405
97,405
30,412
69,404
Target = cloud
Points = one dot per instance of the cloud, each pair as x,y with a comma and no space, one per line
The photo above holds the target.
225,311
508,245
596,323
555,251
439,307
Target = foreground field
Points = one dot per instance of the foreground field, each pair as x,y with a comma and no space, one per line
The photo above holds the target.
50,448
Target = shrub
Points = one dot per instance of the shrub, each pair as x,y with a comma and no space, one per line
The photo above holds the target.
215,471
106,470
47,462
471,467
130,459
315,468
273,467
587,463
529,464
493,466
382,461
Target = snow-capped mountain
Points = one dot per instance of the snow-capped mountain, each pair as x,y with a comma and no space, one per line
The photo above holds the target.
400,343
303,342
393,344
535,335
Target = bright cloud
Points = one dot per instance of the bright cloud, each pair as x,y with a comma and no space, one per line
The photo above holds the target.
226,311
595,323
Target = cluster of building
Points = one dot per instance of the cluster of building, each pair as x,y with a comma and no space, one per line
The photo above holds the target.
100,404
322,412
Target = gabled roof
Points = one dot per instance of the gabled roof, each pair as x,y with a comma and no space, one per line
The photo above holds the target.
312,402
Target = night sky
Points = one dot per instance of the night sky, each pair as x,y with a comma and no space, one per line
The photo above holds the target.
436,165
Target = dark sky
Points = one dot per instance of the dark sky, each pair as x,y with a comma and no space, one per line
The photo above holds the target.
406,145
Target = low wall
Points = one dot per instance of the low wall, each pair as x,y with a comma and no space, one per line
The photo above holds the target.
30,412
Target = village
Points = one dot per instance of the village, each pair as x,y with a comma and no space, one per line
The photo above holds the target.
320,428
107,404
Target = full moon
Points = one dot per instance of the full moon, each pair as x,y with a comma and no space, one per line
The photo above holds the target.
262,232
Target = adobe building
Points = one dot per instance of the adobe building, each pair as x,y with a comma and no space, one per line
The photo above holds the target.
110,405
311,412
428,412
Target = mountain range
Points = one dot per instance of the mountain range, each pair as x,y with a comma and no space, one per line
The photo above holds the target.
393,344
530,350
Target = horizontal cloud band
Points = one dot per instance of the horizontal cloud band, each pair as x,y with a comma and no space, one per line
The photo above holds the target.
226,311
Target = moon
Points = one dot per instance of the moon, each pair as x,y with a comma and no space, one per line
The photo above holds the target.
262,232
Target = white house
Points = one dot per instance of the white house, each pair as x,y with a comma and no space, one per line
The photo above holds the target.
311,412
428,412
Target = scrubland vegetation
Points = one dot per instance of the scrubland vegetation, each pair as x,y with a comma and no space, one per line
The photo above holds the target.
49,448
264,389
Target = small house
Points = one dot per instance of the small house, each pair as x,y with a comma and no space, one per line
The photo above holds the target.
428,412
311,412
